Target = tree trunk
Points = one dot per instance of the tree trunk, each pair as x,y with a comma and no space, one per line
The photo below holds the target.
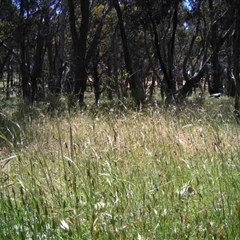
79,46
4,61
81,74
58,69
171,46
8,79
165,69
96,78
23,59
216,76
230,86
109,79
136,86
236,58
36,74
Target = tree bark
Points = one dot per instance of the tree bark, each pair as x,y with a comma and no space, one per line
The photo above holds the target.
79,46
36,75
236,58
171,46
23,62
166,66
58,65
136,86
216,85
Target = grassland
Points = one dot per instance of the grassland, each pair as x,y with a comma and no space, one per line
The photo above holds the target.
109,174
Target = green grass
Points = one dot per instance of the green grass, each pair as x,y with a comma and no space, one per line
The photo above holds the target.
109,174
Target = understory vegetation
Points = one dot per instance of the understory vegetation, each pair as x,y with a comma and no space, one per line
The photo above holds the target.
111,173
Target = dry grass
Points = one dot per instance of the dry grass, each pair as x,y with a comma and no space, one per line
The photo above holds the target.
133,175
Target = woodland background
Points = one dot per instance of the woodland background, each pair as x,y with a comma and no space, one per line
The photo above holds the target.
120,48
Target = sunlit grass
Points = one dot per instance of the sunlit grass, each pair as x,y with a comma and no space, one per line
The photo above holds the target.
124,175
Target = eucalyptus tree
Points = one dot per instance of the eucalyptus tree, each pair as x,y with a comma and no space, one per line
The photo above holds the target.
213,26
84,47
188,35
236,58
97,34
33,34
111,57
161,20
79,39
197,53
56,22
221,26
134,82
7,43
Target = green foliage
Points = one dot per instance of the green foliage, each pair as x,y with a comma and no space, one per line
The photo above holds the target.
7,8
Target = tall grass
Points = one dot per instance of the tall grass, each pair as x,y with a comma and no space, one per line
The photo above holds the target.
129,175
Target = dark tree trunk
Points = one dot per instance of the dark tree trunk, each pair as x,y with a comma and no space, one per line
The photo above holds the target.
80,80
24,75
193,81
236,58
216,76
36,75
136,86
171,46
109,82
50,81
151,87
58,67
230,87
167,72
79,45
49,48
23,60
3,63
8,84
112,80
96,78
